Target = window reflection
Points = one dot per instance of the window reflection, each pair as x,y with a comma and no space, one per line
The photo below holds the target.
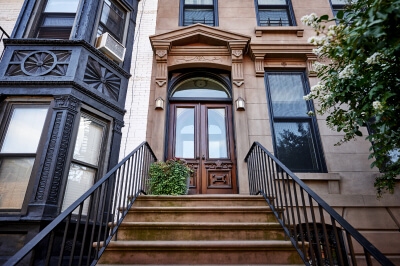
184,140
200,88
217,143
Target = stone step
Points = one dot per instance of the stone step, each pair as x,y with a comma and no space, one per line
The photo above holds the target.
200,252
217,200
165,231
245,214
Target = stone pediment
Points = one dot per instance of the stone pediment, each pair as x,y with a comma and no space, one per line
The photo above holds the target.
200,35
199,45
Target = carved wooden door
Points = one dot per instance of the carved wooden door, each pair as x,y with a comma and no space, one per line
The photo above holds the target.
202,134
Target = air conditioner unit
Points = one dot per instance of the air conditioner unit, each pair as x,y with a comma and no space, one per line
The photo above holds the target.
111,47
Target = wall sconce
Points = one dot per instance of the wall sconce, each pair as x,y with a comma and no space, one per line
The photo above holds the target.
240,104
159,103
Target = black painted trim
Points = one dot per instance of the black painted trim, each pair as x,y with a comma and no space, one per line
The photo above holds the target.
182,9
291,13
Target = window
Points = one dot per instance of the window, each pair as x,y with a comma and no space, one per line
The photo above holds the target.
112,20
57,19
18,150
86,159
199,11
338,5
296,141
275,13
200,88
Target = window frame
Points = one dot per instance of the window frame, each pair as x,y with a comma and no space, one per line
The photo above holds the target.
336,7
127,10
182,8
105,149
7,108
319,154
288,7
39,16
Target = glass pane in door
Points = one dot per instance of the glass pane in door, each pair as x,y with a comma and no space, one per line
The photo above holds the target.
184,139
217,143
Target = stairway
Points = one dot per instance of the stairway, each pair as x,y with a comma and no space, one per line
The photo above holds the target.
200,230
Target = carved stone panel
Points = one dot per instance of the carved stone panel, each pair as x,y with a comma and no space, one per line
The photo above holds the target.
39,63
100,78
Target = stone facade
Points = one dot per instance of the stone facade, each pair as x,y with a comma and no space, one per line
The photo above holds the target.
348,183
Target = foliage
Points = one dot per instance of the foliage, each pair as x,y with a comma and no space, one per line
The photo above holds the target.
360,78
169,178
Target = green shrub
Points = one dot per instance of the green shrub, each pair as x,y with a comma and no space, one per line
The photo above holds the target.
169,178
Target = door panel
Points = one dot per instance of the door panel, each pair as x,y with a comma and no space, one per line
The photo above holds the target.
202,135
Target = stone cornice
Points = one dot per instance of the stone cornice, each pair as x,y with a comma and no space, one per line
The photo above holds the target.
261,49
88,46
259,31
77,86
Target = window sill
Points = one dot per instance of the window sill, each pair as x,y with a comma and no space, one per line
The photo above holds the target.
279,29
333,180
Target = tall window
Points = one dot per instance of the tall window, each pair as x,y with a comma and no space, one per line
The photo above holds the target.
296,140
275,13
17,152
112,20
86,159
57,19
199,11
338,5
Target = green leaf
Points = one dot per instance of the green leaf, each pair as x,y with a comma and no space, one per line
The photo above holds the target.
340,14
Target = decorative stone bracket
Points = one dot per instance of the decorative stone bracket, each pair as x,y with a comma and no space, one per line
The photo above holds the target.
311,59
161,52
237,50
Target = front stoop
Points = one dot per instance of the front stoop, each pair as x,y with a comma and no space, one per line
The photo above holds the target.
200,230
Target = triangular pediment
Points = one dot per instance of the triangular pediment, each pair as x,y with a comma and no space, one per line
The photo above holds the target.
199,34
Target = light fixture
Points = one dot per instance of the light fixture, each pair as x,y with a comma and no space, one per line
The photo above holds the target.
159,103
240,104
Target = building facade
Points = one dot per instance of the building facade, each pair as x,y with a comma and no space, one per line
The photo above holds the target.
202,81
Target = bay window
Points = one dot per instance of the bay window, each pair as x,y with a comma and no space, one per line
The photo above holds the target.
86,159
19,143
112,20
57,19
295,133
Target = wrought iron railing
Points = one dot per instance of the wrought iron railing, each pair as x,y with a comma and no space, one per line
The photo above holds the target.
80,234
209,22
274,22
319,234
3,34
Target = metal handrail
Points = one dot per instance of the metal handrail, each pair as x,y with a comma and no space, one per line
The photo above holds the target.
79,236
2,34
274,22
320,235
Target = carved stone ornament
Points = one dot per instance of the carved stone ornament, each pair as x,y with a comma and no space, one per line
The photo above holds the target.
237,53
118,125
102,79
200,58
39,63
238,83
67,102
161,53
161,82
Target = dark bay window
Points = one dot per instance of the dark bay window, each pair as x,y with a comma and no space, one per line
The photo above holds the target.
57,19
296,138
112,20
86,159
199,11
22,130
275,13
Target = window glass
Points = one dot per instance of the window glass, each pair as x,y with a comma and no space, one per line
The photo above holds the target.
199,2
88,142
339,2
274,17
184,140
272,2
200,88
80,179
61,6
287,95
203,16
217,143
24,130
112,20
294,145
14,178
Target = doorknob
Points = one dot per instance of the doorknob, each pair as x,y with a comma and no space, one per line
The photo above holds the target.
204,157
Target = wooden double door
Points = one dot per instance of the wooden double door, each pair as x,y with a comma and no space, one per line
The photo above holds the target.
202,134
